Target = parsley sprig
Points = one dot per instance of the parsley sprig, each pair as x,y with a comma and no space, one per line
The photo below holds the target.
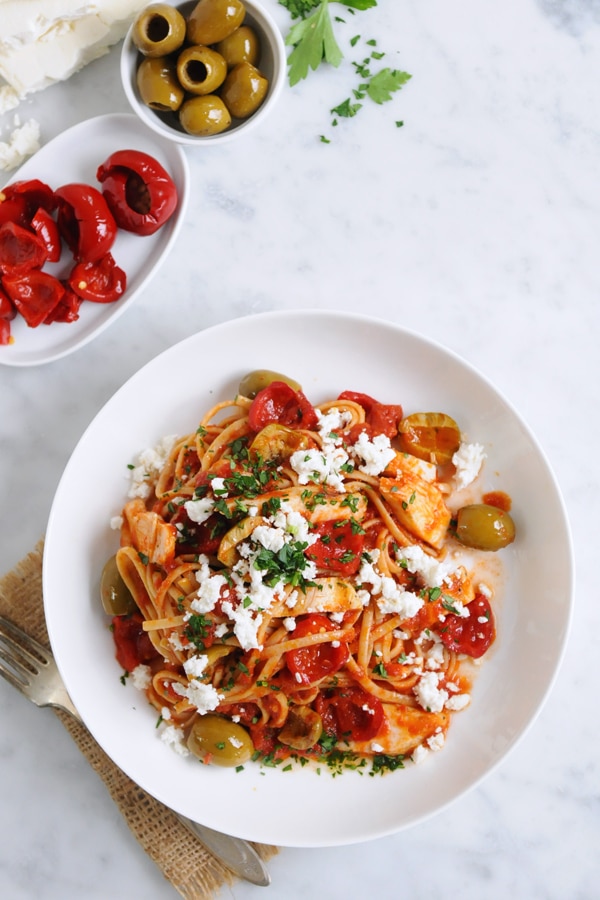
313,37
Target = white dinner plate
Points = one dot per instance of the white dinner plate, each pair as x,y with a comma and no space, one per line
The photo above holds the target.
74,156
327,353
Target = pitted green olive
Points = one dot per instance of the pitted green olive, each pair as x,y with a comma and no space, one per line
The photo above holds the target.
484,527
158,84
244,90
255,381
115,596
241,46
211,21
220,741
303,728
204,115
201,70
158,30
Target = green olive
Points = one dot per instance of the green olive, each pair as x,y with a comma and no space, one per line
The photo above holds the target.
303,728
204,115
211,21
484,527
158,85
223,742
116,598
158,30
201,70
255,381
244,90
241,46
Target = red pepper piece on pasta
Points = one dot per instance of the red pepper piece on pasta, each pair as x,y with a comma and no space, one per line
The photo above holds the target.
383,418
141,194
85,221
350,713
35,294
338,548
133,647
101,281
312,663
278,402
20,250
472,634
46,229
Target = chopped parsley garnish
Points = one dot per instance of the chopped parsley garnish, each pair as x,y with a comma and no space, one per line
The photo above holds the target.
285,565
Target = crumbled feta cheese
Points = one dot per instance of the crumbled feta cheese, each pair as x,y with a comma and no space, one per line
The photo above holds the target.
235,742
468,460
199,510
419,754
116,523
203,696
174,738
289,623
194,666
429,695
333,421
433,571
270,538
376,748
376,453
458,701
436,741
149,464
485,590
324,466
141,677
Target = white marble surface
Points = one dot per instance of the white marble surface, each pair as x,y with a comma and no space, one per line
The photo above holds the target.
478,224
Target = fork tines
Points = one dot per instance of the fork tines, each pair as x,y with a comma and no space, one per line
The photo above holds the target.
18,662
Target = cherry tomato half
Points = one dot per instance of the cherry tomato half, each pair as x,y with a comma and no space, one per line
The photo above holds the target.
382,417
278,402
20,250
140,193
101,281
472,634
310,664
85,221
338,548
350,713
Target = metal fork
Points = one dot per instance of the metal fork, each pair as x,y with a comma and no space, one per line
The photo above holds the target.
31,668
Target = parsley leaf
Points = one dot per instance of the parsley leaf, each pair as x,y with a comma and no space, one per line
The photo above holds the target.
386,82
313,41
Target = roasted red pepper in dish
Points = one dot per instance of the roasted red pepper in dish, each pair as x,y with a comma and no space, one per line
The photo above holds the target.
47,230
141,194
20,250
102,281
85,221
35,294
33,194
278,402
7,314
382,418
67,308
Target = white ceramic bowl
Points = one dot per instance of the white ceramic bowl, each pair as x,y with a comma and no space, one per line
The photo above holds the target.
327,353
272,64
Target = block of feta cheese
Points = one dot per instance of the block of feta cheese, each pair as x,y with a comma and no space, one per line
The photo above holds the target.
45,41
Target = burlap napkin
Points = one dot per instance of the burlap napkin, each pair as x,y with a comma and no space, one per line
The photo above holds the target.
183,860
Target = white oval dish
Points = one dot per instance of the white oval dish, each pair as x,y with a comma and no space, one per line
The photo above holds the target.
74,156
326,352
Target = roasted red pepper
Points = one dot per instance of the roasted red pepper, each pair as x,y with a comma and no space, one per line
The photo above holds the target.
141,194
7,314
102,281
35,294
67,308
85,221
34,193
47,230
20,250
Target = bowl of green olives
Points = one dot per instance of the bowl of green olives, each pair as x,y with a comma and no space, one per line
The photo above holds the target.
203,71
